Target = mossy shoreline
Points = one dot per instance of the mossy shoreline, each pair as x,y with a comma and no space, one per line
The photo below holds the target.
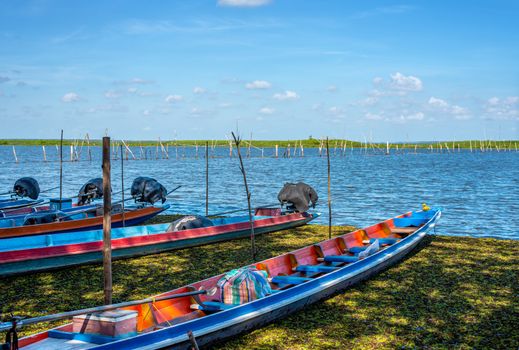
449,293
306,143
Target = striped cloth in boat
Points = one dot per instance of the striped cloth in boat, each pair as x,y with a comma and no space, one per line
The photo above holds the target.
243,285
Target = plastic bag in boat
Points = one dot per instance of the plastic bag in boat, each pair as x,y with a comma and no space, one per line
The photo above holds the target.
243,285
43,218
372,249
189,222
299,195
147,189
92,189
27,187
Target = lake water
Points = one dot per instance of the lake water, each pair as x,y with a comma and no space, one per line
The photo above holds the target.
479,192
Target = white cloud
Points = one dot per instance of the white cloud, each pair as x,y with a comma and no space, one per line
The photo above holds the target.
199,90
243,3
285,96
368,101
458,112
405,83
335,110
332,88
140,81
132,90
502,108
173,98
258,84
146,112
373,116
438,102
70,97
225,105
377,80
112,94
266,110
414,116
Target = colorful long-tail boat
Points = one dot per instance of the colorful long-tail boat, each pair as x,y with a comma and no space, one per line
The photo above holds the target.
180,317
80,220
50,251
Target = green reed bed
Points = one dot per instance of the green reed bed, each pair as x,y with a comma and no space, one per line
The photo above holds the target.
449,293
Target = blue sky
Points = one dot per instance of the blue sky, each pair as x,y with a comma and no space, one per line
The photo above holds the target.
376,70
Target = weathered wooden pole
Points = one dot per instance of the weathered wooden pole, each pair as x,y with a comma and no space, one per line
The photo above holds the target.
242,169
122,185
107,222
14,153
206,178
276,151
61,169
329,191
44,153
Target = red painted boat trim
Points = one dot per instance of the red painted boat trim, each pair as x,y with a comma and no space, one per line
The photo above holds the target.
121,243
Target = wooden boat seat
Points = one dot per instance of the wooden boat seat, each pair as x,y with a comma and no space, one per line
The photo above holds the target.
211,306
384,241
357,250
315,268
340,258
404,230
289,279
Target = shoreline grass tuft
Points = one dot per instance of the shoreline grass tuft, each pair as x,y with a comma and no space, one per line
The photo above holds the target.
449,293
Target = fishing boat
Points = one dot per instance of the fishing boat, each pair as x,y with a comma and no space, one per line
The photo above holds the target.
50,251
179,318
76,219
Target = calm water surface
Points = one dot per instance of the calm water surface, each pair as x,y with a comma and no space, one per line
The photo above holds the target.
479,192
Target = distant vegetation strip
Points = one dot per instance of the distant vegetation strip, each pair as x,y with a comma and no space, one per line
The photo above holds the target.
307,143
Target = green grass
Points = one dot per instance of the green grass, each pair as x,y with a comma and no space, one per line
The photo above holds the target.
450,293
307,143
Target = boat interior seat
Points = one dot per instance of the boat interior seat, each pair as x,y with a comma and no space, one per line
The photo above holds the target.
384,241
334,256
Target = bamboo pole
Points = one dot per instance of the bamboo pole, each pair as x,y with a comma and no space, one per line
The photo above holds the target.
206,178
122,186
88,148
329,191
242,169
15,156
107,222
61,169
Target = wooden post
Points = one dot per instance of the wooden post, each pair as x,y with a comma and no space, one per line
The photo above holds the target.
329,191
14,153
192,340
107,222
242,169
206,178
61,169
122,185
88,147
44,153
387,147
276,151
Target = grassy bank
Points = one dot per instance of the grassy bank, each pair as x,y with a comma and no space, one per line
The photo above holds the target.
307,143
450,293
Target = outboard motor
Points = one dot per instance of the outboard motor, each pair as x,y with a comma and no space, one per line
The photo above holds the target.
27,187
43,218
298,196
189,222
148,190
92,189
